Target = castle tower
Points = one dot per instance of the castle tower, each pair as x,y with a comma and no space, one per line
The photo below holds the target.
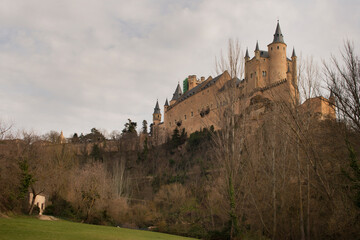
156,114
192,81
277,53
294,68
177,94
247,58
257,51
166,105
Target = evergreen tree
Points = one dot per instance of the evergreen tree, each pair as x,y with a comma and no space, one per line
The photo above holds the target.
130,127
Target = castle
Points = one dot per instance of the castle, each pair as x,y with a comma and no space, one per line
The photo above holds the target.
269,75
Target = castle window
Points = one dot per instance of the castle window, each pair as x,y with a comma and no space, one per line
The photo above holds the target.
192,114
185,117
251,75
170,124
283,48
264,73
271,48
277,47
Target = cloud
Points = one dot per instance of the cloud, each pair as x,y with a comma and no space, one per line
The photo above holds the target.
74,65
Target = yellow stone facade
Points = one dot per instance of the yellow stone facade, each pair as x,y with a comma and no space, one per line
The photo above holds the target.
269,74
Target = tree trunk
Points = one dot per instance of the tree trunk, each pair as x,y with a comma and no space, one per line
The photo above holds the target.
274,194
301,210
308,203
234,231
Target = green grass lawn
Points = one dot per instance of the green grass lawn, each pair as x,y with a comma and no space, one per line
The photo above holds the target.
25,228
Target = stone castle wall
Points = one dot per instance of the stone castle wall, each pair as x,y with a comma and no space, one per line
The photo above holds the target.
268,75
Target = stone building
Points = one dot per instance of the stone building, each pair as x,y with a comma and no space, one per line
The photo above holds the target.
269,75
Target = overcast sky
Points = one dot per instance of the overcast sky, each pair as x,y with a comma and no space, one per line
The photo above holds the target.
74,65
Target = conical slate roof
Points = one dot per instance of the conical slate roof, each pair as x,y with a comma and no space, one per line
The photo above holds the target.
293,53
166,103
278,37
257,46
157,108
177,94
247,53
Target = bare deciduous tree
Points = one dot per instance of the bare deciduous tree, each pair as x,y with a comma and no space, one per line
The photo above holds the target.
4,129
343,81
232,62
308,79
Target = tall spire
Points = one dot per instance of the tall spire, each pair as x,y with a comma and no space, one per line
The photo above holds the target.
247,53
293,53
177,94
157,108
278,37
257,46
166,103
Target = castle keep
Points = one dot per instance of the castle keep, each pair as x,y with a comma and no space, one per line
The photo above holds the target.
269,75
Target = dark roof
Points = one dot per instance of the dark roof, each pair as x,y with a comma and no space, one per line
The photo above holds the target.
177,94
257,46
200,87
166,103
247,53
278,37
264,54
157,108
293,53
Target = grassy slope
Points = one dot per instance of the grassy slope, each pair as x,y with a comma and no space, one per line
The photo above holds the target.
25,228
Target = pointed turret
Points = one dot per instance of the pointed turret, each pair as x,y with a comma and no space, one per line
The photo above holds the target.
278,37
247,58
293,53
294,67
257,46
278,64
156,114
166,106
157,108
177,94
257,51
